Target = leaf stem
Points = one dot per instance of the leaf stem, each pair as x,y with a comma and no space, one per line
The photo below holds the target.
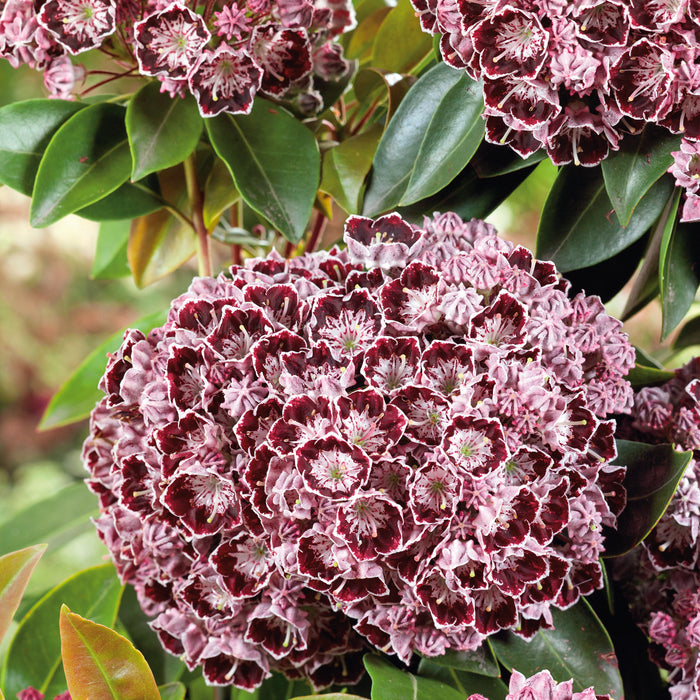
194,193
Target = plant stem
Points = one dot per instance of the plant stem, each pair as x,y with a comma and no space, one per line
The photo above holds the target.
195,196
316,233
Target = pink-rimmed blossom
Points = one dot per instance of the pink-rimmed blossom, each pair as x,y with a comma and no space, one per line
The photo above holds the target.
78,25
541,686
402,445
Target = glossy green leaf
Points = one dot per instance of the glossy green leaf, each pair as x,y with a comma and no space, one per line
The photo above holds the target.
679,272
401,45
371,84
172,691
345,167
110,253
52,520
15,571
391,683
632,170
100,663
688,335
363,37
87,158
578,647
274,161
491,160
128,201
653,472
34,656
25,131
482,660
219,194
78,395
329,696
435,131
465,682
640,376
162,130
579,228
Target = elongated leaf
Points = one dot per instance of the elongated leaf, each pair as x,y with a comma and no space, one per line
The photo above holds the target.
363,37
110,253
688,335
640,162
100,663
25,131
345,167
87,158
162,130
219,194
679,273
640,376
329,696
274,161
78,396
371,83
464,681
653,472
34,656
401,45
435,131
172,691
15,570
578,647
126,202
482,660
390,683
578,227
492,161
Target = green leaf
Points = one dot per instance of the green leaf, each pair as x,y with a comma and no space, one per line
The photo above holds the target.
435,131
329,696
653,472
640,162
578,647
688,335
110,253
390,683
578,227
371,83
52,520
34,656
493,161
172,691
640,376
25,131
363,37
274,161
679,272
79,394
126,202
162,130
401,45
87,158
15,571
482,660
100,663
219,194
464,681
346,165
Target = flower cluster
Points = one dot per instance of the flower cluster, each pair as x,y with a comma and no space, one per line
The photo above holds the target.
572,77
403,444
662,577
686,171
33,694
542,686
238,48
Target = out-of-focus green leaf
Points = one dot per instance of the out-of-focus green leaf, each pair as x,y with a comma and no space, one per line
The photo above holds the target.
679,272
110,253
15,571
493,161
578,227
401,45
364,35
578,647
87,158
430,139
370,84
219,194
172,691
34,656
162,130
126,202
465,682
482,660
640,162
274,161
100,663
345,167
653,472
390,683
79,394
25,131
688,335
329,696
640,376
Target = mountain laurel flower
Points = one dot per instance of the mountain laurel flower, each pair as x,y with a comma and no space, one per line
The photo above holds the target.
403,445
78,25
542,686
686,171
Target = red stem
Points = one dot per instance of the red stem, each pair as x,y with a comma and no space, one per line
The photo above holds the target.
316,232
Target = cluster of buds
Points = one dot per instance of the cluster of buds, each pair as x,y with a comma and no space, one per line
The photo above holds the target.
402,445
572,77
662,577
686,171
223,56
542,686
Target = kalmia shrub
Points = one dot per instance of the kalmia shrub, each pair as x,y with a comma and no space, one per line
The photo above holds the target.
223,56
573,77
403,445
661,578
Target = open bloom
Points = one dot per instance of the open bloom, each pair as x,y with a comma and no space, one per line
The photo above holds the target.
542,686
405,447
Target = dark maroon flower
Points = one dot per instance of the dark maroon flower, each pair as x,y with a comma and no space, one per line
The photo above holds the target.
78,25
283,54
